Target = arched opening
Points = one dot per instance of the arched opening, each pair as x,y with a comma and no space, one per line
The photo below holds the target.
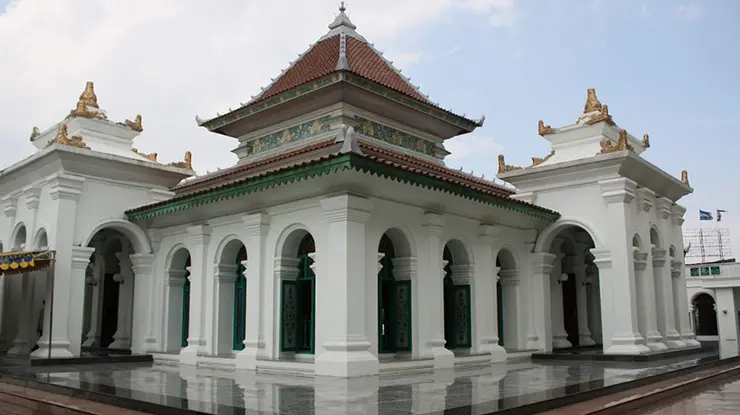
19,239
177,299
109,294
239,332
575,304
705,315
231,297
654,238
394,295
41,241
506,299
456,296
298,293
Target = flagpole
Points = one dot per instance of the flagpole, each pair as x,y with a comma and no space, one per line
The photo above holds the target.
701,238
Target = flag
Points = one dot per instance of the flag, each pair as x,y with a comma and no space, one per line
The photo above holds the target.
719,214
704,215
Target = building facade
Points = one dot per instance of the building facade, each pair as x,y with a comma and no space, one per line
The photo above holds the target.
340,244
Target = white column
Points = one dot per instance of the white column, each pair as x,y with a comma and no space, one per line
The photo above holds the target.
594,301
579,268
175,281
511,295
142,311
125,280
647,320
10,208
431,295
559,335
21,343
96,302
484,294
200,292
256,227
224,279
341,304
682,307
663,280
727,322
618,280
680,299
541,265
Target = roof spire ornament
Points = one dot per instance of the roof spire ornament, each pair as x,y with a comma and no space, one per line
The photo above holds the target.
87,105
342,9
592,103
61,138
342,20
685,177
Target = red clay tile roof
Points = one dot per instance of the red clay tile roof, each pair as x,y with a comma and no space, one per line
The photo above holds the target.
322,60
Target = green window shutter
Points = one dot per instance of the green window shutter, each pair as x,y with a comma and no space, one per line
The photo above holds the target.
403,315
240,309
185,329
288,316
462,312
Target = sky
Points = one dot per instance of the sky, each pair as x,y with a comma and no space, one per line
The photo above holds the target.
667,68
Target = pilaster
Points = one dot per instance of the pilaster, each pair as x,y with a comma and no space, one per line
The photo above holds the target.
647,319
174,283
430,288
142,269
664,299
201,292
541,265
341,303
125,279
222,327
96,301
618,280
484,296
579,268
256,227
682,307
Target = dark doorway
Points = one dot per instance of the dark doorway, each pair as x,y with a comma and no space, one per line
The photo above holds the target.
570,309
109,316
706,315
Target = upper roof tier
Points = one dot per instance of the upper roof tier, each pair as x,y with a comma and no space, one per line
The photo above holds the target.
342,49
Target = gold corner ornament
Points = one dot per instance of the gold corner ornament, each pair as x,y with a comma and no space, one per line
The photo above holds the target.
136,124
536,161
592,103
608,146
150,156
185,164
88,100
603,115
543,129
61,138
505,168
646,141
685,177
35,133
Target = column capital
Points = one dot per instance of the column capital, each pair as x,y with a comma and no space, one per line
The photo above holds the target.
645,198
65,186
677,214
176,277
434,222
199,234
618,190
462,274
141,262
663,206
488,233
81,257
346,207
542,262
224,272
404,268
640,260
659,257
286,268
602,258
256,223
33,196
10,205
507,274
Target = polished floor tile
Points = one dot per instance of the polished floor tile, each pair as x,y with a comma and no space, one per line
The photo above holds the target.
723,399
481,390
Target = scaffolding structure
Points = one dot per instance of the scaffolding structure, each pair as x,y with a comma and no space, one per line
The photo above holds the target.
707,244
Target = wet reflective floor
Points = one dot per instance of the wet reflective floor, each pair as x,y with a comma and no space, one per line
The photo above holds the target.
480,390
718,400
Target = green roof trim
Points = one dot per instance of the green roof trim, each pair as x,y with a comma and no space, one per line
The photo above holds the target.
329,166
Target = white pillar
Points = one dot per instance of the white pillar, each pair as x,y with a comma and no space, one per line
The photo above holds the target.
10,208
682,307
540,336
96,302
511,295
341,304
201,292
175,281
484,294
647,319
142,310
430,289
618,280
256,227
21,343
125,280
593,294
559,335
224,279
579,268
727,322
664,300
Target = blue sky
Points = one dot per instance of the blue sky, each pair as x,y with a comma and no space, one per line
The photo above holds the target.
667,68
668,71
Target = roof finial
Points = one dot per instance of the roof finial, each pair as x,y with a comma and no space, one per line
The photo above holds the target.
342,9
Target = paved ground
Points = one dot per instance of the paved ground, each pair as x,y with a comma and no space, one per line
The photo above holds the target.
723,399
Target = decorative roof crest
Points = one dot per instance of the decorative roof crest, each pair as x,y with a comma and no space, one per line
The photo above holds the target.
543,129
536,161
685,177
35,133
505,168
608,146
87,104
185,164
135,125
150,156
646,141
61,138
592,103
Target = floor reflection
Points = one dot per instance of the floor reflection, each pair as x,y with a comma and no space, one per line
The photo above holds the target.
719,399
484,389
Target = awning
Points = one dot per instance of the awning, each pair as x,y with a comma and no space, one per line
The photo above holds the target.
27,261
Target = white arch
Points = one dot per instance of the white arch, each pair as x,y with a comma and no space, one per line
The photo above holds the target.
511,251
288,235
135,234
547,235
407,235
466,247
655,237
37,238
18,226
225,242
700,292
171,254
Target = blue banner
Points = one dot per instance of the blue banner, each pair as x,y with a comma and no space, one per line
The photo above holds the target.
719,214
704,215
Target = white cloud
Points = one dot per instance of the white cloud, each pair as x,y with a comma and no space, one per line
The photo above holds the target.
172,59
474,152
689,12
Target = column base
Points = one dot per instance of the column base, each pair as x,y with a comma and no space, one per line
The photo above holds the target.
690,340
675,344
655,342
247,358
561,342
657,347
91,341
59,348
586,340
347,358
20,348
443,358
189,355
533,341
498,354
122,343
